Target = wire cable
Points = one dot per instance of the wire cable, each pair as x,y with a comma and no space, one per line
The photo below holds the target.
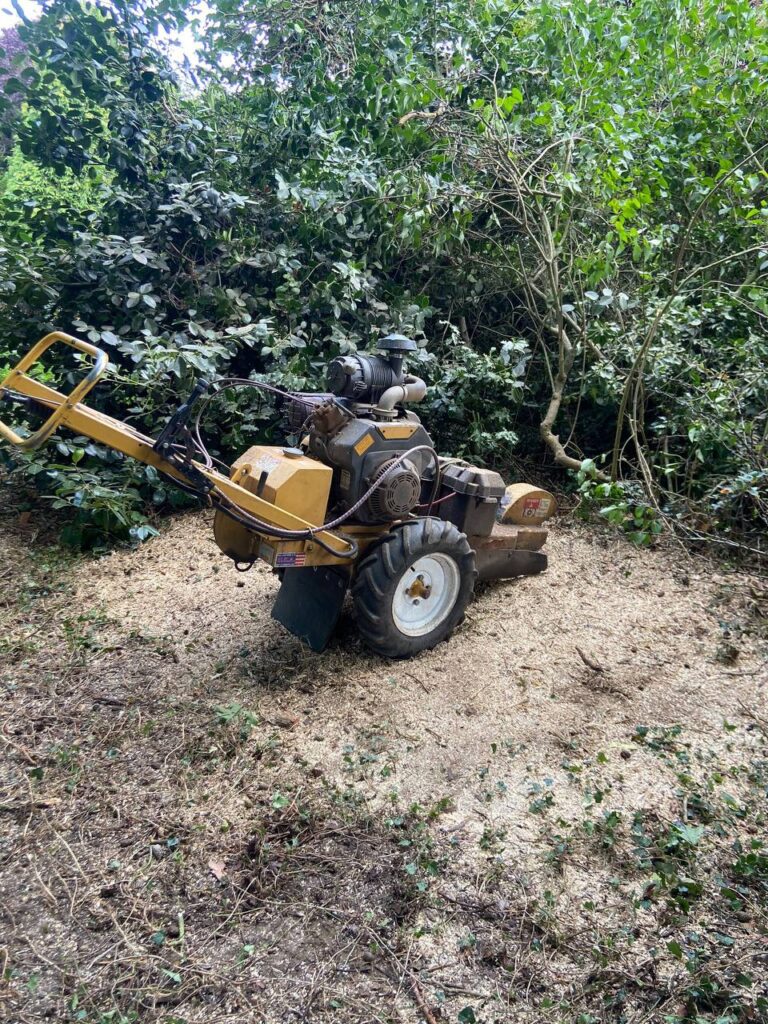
223,384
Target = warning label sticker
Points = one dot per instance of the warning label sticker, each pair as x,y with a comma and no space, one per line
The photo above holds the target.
364,444
535,507
267,463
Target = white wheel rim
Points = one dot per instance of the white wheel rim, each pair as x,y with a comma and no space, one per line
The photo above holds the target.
426,594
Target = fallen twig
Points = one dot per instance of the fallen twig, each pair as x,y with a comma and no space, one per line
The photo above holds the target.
594,665
747,671
416,679
757,719
419,998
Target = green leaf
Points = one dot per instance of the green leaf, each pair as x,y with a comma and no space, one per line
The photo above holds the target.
690,834
511,100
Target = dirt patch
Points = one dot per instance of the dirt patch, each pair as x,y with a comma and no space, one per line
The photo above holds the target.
203,821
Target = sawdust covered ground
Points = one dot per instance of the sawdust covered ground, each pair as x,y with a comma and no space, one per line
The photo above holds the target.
202,821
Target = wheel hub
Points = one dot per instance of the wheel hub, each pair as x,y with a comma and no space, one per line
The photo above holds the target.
421,588
426,594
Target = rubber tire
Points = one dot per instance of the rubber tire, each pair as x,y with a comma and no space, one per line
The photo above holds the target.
379,572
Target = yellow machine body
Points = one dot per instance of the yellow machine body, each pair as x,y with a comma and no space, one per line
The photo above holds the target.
287,479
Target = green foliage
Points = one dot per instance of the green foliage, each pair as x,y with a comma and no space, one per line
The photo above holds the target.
498,180
616,503
240,721
473,398
693,880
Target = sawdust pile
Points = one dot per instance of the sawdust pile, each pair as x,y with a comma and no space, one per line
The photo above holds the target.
657,624
204,821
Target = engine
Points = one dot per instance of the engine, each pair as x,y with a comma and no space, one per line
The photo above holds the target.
359,456
361,430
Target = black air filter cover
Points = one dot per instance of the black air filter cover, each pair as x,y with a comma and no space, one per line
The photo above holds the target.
362,378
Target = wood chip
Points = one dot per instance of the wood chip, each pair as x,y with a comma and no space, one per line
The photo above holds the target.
218,869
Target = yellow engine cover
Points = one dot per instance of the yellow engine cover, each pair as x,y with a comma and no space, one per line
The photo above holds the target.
284,478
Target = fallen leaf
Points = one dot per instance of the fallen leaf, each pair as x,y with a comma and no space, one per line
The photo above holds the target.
286,721
218,869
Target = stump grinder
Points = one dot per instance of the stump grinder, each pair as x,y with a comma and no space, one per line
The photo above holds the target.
359,500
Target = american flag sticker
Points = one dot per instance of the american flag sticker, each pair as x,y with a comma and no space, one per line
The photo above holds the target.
293,558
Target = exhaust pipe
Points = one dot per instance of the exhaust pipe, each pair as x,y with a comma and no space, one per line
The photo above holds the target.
413,389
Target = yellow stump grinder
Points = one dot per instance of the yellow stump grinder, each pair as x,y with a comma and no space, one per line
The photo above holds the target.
362,503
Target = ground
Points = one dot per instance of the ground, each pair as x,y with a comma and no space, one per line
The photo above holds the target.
559,815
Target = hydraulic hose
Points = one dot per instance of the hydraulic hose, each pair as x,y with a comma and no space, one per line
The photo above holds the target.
239,514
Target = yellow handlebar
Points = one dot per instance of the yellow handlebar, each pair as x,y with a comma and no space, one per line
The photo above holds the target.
78,393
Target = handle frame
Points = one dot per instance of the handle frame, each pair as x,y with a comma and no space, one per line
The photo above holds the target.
81,389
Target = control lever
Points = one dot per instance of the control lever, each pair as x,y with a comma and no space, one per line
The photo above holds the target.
177,424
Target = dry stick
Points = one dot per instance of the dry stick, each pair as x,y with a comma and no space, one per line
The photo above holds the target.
747,672
421,683
16,746
750,713
418,996
594,665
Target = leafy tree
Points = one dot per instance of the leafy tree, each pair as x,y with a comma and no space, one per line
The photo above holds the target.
564,198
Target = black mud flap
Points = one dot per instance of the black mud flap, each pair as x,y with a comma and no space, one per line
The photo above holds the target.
309,602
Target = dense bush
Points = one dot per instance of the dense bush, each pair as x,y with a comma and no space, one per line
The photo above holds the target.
564,199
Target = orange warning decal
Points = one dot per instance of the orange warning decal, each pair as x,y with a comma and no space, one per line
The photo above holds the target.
364,444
